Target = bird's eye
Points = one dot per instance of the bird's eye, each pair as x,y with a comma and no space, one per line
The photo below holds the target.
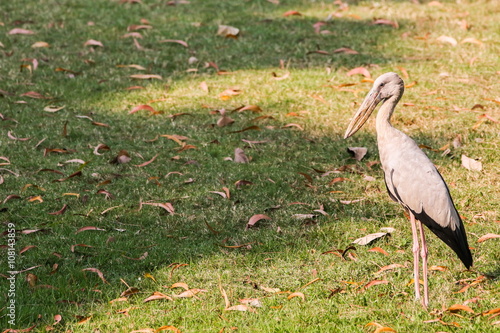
382,84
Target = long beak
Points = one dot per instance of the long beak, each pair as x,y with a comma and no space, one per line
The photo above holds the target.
365,110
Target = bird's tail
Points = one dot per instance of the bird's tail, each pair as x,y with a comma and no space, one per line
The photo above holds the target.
455,239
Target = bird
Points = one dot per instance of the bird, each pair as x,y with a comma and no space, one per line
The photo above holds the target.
412,179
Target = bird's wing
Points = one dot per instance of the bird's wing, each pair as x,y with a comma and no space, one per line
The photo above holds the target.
413,181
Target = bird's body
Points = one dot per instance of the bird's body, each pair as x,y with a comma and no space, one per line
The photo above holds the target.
411,178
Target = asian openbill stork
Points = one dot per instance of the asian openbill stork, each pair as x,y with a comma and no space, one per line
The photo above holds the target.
412,179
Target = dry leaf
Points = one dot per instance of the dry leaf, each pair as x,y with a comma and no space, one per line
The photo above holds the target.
471,41
370,238
393,24
389,267
141,107
357,152
52,108
240,307
239,156
89,228
487,236
292,13
147,162
297,294
45,44
374,283
256,218
459,307
228,31
446,39
180,285
157,296
359,70
345,50
190,293
98,272
379,250
176,41
93,42
19,31
145,76
471,164
168,328
61,211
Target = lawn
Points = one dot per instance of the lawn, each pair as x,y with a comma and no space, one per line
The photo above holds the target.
120,186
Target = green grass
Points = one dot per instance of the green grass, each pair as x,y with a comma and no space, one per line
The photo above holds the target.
284,252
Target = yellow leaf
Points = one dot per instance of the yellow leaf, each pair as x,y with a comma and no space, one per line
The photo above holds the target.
149,276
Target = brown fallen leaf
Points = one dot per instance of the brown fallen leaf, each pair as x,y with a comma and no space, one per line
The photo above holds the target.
190,293
375,283
98,272
168,328
89,228
359,71
147,162
93,42
253,108
60,211
142,107
26,248
393,24
250,128
176,41
80,245
345,50
254,219
297,294
158,296
459,307
167,206
379,250
389,267
240,157
13,137
19,31
293,125
34,94
180,285
145,76
292,13
487,236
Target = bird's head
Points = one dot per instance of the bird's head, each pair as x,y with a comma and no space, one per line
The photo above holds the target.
385,87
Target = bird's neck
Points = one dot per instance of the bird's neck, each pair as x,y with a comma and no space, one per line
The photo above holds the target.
383,122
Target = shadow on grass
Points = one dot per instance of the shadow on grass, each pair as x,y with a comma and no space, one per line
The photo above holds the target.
135,242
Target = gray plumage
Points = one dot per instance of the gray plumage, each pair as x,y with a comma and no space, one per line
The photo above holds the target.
411,178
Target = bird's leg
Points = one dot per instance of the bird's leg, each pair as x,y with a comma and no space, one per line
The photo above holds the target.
416,250
423,254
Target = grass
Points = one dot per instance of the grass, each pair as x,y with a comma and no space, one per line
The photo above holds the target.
143,248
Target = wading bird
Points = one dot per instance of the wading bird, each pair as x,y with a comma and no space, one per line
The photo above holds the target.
412,179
